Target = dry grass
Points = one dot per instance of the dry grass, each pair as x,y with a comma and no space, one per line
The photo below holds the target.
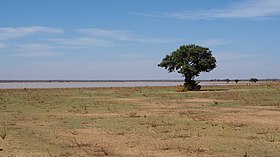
141,121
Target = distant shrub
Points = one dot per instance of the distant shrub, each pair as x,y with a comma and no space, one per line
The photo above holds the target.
227,80
253,80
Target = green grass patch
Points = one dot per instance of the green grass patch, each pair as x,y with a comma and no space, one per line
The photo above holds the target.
225,104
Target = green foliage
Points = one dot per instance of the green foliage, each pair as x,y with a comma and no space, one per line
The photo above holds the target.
253,80
190,61
227,80
192,85
236,80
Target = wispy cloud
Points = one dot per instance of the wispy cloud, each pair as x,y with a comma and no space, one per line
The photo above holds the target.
123,35
2,45
242,9
17,32
131,55
97,32
82,42
96,37
34,50
237,56
216,42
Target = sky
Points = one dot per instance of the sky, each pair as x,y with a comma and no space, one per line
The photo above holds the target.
126,39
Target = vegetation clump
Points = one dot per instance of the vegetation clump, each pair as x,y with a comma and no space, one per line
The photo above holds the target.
190,61
254,80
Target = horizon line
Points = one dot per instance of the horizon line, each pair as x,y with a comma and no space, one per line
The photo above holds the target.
125,80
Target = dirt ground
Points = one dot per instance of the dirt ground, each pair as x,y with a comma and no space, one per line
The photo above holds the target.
219,121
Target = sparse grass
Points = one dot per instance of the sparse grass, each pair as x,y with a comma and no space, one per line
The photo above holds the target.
225,104
270,138
3,134
141,121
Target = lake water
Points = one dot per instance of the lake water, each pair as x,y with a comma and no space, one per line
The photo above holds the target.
83,84
14,85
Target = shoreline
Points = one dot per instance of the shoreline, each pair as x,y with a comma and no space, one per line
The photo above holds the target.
104,84
156,80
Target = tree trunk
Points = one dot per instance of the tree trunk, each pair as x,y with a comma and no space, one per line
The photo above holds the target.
190,84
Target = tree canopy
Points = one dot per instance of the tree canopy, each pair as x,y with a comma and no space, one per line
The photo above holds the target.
190,61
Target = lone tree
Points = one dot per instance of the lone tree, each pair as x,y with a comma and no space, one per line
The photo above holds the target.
253,80
236,80
227,80
189,60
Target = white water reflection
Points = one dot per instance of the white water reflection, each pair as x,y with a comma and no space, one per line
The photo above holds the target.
83,84
15,85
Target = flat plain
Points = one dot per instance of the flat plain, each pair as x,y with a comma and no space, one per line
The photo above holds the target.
218,121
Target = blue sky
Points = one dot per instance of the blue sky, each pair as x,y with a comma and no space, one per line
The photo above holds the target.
126,39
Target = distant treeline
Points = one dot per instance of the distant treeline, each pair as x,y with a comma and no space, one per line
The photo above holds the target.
212,80
226,80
